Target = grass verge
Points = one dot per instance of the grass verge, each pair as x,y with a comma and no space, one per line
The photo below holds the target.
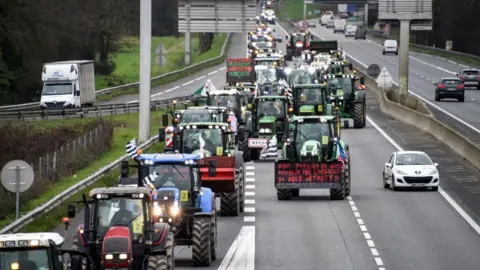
175,60
126,128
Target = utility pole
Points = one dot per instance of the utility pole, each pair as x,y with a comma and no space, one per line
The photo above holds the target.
188,37
145,69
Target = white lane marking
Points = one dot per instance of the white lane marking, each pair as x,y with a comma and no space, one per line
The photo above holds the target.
352,203
453,62
213,72
250,186
133,101
187,83
249,193
199,78
249,201
368,237
437,67
464,66
250,173
441,58
442,192
249,179
425,100
250,168
249,219
357,214
171,89
241,254
222,68
249,210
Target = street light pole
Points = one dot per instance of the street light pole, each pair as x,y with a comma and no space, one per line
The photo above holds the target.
145,69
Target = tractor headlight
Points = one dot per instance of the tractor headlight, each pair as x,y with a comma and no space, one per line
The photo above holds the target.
109,257
157,211
340,97
314,152
267,130
262,130
174,210
303,152
243,108
123,256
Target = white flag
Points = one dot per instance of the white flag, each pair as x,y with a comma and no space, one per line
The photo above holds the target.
202,145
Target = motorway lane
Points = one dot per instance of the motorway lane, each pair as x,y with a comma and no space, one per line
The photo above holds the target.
422,75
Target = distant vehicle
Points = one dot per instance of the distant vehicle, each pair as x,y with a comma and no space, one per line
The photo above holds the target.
470,77
361,33
350,30
390,46
68,84
344,15
330,13
410,169
330,24
324,19
312,24
339,25
449,88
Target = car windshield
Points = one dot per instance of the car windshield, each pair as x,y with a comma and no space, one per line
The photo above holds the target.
351,27
298,38
195,116
266,75
224,100
413,159
344,84
313,95
451,81
271,108
120,211
470,72
262,45
168,175
26,258
57,89
206,141
312,131
391,43
260,39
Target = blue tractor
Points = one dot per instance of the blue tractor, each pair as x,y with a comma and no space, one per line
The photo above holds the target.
180,200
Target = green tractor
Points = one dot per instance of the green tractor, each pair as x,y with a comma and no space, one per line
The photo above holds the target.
214,142
314,158
348,98
338,67
269,119
311,99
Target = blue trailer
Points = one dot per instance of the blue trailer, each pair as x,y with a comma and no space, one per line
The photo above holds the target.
351,8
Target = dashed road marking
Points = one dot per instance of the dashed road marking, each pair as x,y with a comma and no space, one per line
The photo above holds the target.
201,77
250,187
249,219
187,83
250,173
249,179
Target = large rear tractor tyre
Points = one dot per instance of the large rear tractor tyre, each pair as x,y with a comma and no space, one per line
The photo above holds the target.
230,201
243,146
213,236
240,175
295,193
76,245
348,174
157,262
339,193
284,194
169,248
359,115
201,241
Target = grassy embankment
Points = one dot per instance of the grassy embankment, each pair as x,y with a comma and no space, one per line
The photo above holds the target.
126,128
127,61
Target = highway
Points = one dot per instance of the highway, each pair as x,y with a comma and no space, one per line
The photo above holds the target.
373,229
423,71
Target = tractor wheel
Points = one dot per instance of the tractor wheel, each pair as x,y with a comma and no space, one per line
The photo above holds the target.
230,201
213,234
284,194
240,174
201,241
339,193
359,115
157,262
243,146
348,174
76,245
169,248
295,193
254,154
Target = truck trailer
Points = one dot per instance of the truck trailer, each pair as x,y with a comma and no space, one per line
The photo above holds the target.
68,84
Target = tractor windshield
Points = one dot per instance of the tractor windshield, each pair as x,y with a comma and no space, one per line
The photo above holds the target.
266,75
224,100
208,142
119,211
300,76
26,258
345,84
271,108
169,175
309,95
195,116
312,131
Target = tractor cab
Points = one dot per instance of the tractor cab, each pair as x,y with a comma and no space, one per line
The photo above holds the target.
313,139
311,99
299,76
338,67
297,42
271,113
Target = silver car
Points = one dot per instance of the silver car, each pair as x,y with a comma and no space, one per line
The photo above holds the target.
350,30
330,24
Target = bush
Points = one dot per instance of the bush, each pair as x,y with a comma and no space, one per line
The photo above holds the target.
54,153
105,68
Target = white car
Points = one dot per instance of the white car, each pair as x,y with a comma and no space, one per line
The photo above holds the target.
350,30
390,46
410,169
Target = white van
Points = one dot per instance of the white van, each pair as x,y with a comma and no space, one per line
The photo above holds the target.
390,46
325,19
339,25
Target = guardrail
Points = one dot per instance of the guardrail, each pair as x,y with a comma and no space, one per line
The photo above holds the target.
136,84
100,110
433,49
65,195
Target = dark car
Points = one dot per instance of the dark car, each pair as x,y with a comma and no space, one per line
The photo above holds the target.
361,33
470,77
449,88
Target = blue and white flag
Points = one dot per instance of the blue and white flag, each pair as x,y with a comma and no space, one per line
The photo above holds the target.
270,150
341,152
132,149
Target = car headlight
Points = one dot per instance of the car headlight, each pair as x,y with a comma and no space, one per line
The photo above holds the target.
433,172
174,210
400,172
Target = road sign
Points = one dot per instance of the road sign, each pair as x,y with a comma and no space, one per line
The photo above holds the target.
160,60
160,50
384,79
376,27
421,27
373,70
386,29
305,24
17,176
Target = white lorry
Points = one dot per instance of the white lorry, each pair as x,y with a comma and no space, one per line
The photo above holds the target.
339,25
68,84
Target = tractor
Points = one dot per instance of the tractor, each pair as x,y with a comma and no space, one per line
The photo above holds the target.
269,119
338,67
216,142
40,250
310,99
297,43
350,99
181,201
119,232
314,158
